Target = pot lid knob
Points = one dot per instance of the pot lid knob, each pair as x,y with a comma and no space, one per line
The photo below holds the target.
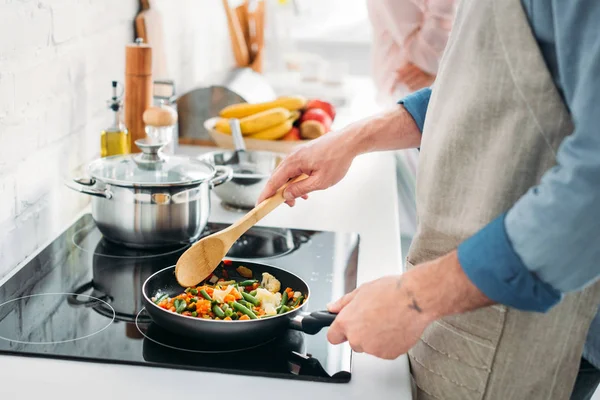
150,155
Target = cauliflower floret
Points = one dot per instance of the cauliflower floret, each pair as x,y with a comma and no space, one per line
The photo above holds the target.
270,309
268,301
270,283
219,294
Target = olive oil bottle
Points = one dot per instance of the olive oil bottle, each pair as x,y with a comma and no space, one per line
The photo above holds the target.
115,139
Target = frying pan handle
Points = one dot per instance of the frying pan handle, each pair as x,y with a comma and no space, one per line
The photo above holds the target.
313,323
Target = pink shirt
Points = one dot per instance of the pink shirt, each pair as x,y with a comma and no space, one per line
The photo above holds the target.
414,31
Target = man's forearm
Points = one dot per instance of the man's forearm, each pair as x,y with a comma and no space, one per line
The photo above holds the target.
390,130
440,287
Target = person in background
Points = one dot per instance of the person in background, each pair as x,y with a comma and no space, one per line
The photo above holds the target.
409,37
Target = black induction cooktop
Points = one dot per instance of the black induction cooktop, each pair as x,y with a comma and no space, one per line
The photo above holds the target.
80,299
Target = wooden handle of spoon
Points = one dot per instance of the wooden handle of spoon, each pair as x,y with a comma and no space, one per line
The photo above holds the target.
261,210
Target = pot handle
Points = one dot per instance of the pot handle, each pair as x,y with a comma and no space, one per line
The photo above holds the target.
84,185
313,323
224,175
74,301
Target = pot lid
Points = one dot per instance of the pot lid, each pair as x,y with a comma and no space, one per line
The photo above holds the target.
150,168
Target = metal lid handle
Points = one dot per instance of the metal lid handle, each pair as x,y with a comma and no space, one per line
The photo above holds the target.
150,152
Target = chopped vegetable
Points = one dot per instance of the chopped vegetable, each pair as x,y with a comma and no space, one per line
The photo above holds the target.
244,310
180,305
218,312
245,272
222,300
205,294
283,310
298,301
161,298
270,283
251,299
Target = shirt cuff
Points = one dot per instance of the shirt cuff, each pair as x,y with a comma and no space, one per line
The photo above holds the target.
491,263
416,104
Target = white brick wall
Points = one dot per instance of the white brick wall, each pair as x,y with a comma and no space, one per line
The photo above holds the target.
57,58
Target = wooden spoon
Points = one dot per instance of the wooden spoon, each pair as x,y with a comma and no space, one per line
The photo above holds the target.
200,260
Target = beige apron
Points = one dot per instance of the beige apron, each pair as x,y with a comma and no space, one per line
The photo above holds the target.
494,124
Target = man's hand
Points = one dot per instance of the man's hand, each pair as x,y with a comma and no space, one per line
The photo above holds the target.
381,318
413,77
326,160
386,317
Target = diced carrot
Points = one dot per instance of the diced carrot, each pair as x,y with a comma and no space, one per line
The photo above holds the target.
255,285
244,317
210,291
227,319
229,298
172,309
235,294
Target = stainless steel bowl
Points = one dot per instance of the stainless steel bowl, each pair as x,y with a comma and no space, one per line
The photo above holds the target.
249,178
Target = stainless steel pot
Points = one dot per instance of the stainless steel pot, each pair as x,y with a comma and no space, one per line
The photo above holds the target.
149,199
249,178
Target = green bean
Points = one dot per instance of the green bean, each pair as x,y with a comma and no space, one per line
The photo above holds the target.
248,297
248,282
218,312
161,298
225,307
187,290
283,310
205,295
228,312
253,293
193,299
298,301
194,291
284,298
180,305
194,314
244,303
244,310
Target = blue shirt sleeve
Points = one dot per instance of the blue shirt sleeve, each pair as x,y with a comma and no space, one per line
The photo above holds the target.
549,241
416,104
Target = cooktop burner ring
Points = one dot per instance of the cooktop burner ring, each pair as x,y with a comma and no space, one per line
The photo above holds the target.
98,241
108,320
137,324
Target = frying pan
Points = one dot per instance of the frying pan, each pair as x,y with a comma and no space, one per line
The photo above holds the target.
242,334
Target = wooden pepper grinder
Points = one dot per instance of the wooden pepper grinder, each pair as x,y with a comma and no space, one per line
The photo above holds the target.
138,88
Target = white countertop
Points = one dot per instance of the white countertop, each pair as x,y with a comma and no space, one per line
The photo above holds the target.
364,202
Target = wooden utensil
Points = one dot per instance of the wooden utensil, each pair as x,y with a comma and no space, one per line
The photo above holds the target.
238,42
256,15
200,260
242,14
